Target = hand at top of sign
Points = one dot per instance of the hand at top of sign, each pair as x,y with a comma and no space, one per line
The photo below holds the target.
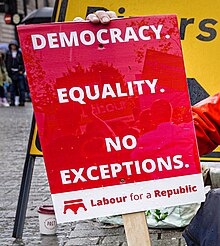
99,16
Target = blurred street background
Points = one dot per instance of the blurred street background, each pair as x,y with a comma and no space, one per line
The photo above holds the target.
12,12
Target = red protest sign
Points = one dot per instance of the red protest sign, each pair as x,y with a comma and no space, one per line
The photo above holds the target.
113,115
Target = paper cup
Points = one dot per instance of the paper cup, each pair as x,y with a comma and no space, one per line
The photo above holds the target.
47,220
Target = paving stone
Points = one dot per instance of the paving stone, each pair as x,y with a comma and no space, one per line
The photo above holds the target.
83,241
110,239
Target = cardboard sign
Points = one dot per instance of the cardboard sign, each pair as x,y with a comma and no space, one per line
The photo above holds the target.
113,115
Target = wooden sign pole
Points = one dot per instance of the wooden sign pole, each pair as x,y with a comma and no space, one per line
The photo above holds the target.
136,229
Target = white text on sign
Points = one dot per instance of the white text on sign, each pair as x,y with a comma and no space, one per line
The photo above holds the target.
78,94
103,36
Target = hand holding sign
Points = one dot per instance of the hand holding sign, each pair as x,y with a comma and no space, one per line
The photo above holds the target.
100,16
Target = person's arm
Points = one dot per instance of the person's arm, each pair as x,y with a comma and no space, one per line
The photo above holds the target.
6,78
7,63
206,116
20,63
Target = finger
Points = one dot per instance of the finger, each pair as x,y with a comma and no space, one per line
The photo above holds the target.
78,19
111,14
103,16
93,18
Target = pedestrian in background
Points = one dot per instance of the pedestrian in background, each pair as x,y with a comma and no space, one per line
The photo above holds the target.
15,69
3,78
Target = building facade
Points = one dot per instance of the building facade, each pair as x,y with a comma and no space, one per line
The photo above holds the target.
8,31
